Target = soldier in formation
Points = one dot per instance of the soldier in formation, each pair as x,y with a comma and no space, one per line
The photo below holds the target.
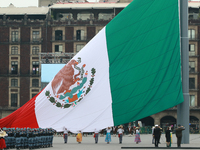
22,138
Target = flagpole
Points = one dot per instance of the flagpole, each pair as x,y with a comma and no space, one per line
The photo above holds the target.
183,108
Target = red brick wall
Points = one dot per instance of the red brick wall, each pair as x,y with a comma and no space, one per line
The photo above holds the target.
4,50
25,34
47,47
24,90
24,59
69,47
90,32
4,36
4,83
4,58
69,33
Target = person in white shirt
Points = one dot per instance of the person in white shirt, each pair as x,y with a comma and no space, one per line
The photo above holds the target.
120,133
96,135
65,134
108,136
153,139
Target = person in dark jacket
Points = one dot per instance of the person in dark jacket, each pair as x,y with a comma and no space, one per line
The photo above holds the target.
156,135
167,135
179,134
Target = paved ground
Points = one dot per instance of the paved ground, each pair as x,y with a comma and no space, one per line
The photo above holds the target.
88,143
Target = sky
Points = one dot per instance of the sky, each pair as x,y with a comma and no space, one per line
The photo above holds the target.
20,3
25,3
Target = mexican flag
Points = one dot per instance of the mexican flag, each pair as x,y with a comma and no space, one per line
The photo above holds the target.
130,70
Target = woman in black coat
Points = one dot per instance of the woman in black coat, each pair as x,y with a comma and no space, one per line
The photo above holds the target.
167,135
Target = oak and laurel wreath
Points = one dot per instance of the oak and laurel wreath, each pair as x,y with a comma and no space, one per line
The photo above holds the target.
58,104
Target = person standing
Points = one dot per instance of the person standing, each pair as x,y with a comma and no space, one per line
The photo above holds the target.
114,130
130,129
137,135
2,140
108,136
96,135
171,141
153,139
79,137
65,134
120,133
168,136
156,134
179,134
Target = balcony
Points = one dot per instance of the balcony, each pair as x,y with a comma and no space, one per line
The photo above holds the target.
36,41
55,58
193,38
193,90
15,41
192,70
80,38
35,73
58,38
192,54
75,38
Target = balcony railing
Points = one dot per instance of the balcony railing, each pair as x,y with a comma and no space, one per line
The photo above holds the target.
192,53
55,58
75,38
35,73
36,40
192,70
58,38
80,38
193,38
15,40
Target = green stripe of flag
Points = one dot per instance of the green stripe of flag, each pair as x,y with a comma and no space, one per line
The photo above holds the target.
143,43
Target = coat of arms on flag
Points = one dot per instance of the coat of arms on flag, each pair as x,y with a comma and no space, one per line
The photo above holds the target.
68,88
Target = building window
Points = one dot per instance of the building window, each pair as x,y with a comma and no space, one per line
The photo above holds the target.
14,36
191,50
191,83
35,50
35,67
79,47
36,36
14,67
58,35
14,100
58,48
105,16
192,100
191,34
14,82
191,66
14,50
64,16
80,35
84,16
35,82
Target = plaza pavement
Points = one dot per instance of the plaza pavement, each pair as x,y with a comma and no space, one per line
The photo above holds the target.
88,143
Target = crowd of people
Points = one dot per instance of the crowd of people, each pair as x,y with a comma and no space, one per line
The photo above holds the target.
26,138
156,134
116,130
39,138
157,131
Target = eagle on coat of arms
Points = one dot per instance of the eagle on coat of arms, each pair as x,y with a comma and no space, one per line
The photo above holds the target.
69,87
